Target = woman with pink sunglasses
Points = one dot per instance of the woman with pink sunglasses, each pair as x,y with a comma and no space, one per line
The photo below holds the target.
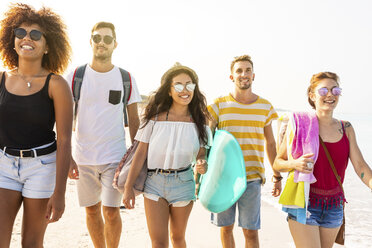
33,98
324,215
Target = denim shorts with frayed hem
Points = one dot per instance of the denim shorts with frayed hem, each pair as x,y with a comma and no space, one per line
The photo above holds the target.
178,189
34,177
249,207
323,216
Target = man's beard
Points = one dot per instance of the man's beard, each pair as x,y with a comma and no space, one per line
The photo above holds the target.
245,86
102,57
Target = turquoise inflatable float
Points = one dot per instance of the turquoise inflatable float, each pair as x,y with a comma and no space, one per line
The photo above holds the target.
225,180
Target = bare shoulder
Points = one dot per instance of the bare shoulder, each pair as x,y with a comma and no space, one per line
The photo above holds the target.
57,79
349,130
347,124
58,86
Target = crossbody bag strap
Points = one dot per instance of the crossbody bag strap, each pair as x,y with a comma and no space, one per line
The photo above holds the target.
331,164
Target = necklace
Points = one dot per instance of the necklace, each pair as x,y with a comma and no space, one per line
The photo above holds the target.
28,82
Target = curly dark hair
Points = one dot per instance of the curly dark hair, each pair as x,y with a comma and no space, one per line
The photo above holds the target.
54,31
160,101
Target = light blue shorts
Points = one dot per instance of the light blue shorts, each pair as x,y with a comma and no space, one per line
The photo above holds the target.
177,189
323,216
34,177
249,207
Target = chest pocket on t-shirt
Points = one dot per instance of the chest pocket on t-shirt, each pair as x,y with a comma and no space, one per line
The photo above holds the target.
114,96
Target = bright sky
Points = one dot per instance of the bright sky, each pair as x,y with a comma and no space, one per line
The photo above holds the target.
289,40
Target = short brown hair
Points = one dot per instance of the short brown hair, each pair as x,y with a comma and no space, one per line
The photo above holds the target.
105,25
241,58
315,79
54,31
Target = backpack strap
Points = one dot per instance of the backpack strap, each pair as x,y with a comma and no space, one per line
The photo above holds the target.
127,86
77,81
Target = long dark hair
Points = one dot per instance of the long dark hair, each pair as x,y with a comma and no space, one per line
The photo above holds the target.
160,101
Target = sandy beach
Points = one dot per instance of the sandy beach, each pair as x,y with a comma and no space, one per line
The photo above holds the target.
71,231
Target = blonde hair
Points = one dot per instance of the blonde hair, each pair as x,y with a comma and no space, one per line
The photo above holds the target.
240,58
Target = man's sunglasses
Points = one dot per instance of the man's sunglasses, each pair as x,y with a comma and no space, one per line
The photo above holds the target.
107,39
34,34
336,91
179,87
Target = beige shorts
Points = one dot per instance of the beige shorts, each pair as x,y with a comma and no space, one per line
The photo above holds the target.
95,185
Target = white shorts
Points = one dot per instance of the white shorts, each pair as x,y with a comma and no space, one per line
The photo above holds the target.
95,185
34,177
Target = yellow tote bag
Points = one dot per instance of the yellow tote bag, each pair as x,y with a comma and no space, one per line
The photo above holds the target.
293,193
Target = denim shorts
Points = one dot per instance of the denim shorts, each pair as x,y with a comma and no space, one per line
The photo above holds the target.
177,189
95,185
249,207
34,177
323,216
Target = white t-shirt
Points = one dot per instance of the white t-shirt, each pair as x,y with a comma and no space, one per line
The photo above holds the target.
99,135
172,145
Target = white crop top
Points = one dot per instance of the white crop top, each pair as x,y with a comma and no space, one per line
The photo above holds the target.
172,145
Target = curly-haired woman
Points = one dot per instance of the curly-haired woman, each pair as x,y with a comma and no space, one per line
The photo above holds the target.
33,164
174,136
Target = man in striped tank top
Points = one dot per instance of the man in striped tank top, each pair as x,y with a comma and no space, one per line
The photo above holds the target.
248,117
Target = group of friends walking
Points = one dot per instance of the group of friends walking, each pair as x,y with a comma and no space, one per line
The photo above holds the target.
174,134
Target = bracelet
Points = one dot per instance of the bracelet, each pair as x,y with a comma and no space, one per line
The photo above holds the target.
278,179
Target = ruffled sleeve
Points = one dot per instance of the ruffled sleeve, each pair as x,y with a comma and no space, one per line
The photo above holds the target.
144,134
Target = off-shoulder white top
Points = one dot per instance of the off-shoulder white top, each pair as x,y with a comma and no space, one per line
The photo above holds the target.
172,144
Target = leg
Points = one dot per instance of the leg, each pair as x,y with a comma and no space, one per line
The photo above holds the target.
249,206
251,238
34,222
178,222
111,199
227,236
8,212
157,216
225,220
95,225
328,236
112,226
304,236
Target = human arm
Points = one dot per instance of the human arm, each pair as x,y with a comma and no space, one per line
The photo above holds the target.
270,147
361,167
135,168
283,164
201,167
73,172
133,120
212,125
61,95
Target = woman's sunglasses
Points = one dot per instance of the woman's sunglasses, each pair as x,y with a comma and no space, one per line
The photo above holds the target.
336,91
107,39
34,34
189,87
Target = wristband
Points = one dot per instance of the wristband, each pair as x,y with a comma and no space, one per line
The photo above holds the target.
278,179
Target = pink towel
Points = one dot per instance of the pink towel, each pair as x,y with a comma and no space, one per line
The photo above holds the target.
306,140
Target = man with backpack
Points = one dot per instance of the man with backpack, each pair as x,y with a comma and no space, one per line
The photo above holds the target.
104,96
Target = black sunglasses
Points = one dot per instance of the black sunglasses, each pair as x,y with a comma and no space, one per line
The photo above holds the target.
21,33
107,39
